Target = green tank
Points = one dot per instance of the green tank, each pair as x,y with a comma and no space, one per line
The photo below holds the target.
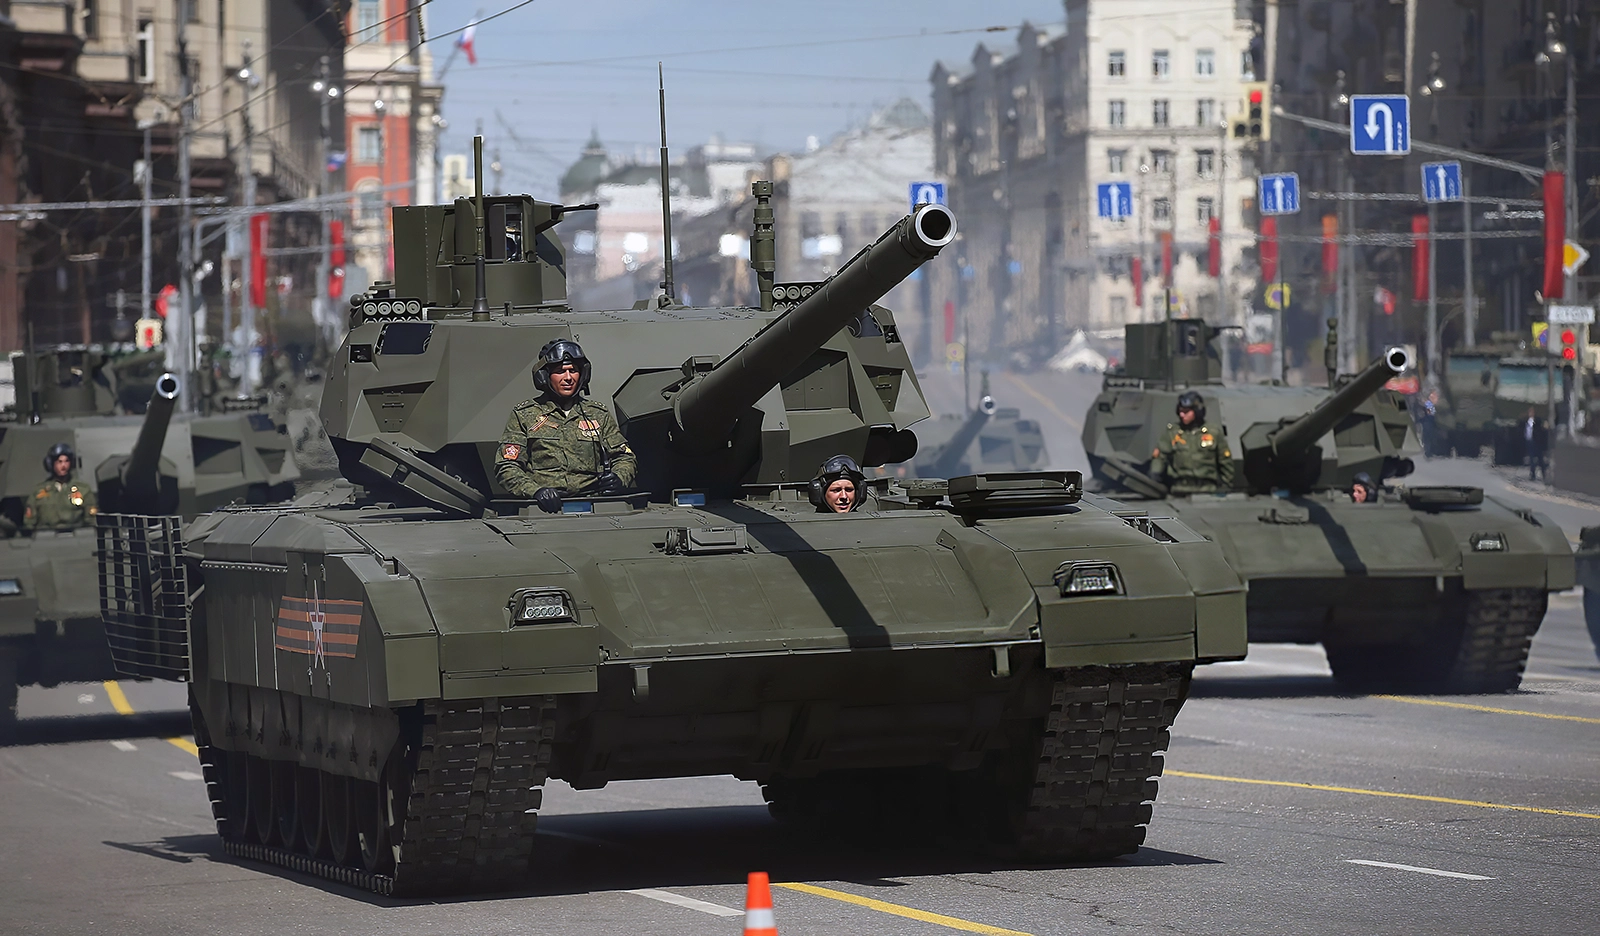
990,438
381,685
1486,392
1425,589
50,629
1588,563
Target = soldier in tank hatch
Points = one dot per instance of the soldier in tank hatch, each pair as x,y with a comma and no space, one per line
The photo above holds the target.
560,444
838,486
1362,488
1192,456
62,502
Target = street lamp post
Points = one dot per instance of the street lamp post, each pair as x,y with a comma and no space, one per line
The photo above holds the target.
247,318
326,92
380,111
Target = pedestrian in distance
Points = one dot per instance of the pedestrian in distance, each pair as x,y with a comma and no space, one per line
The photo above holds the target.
1536,441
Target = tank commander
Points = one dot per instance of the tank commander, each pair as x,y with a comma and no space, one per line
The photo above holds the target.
838,486
1193,457
62,502
1362,490
560,444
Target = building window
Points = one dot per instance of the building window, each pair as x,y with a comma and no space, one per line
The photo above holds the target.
1205,63
368,12
371,201
1117,64
1161,113
1204,210
369,144
1247,65
1161,64
1119,309
189,10
1205,112
1117,161
144,56
1205,163
1161,209
1118,115
91,19
1161,162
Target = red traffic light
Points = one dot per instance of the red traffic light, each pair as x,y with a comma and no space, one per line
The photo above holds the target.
1569,354
1568,336
1255,96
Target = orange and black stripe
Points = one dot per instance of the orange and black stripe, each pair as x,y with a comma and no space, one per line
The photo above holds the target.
341,626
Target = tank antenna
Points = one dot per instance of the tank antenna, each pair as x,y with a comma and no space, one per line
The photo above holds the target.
763,243
666,194
480,299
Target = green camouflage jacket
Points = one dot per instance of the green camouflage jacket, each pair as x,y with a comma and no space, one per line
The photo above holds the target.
60,505
548,445
1195,460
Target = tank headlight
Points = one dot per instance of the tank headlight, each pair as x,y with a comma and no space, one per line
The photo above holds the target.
1088,578
10,587
1488,542
540,607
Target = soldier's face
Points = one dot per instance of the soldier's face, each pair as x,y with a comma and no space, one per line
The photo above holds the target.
1358,493
840,495
564,380
1186,417
62,466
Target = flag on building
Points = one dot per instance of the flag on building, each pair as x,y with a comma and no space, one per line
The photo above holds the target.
464,43
336,160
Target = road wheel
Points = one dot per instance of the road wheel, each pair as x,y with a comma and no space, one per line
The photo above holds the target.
235,796
260,793
372,825
308,803
338,818
284,805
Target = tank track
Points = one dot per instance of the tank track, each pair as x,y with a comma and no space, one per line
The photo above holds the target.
1099,759
1498,633
470,811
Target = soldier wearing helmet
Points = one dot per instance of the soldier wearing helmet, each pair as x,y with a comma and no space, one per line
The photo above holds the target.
1193,456
560,444
62,502
838,486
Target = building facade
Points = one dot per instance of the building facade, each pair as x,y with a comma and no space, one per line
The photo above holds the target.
1133,91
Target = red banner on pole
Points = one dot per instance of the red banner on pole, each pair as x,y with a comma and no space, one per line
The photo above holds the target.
1136,270
1214,248
1419,257
1268,249
1166,259
1330,253
336,260
949,322
1555,234
258,259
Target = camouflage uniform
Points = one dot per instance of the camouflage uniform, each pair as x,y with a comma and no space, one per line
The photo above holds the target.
546,445
1194,460
60,505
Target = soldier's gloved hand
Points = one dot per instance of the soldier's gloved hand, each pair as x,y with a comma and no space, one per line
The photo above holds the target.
548,499
606,482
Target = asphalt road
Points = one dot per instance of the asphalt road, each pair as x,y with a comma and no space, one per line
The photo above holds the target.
1286,808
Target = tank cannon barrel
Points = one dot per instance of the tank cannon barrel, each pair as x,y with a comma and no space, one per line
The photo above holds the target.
139,472
708,407
1296,437
950,457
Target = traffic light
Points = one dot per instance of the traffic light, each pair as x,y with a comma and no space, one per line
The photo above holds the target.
1569,344
1257,121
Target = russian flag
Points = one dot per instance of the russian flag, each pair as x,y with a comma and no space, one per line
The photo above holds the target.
464,43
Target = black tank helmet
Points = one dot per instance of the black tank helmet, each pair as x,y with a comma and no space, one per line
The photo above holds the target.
1190,400
839,466
56,451
561,351
1362,479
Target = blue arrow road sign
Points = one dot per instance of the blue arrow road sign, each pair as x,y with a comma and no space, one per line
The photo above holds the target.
1380,124
1441,182
926,193
1115,200
1280,194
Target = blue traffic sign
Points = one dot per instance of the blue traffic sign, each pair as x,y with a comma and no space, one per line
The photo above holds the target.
1380,124
1115,200
926,193
1280,194
1441,182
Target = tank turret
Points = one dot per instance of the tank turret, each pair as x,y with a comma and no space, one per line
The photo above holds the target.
949,458
137,482
1285,456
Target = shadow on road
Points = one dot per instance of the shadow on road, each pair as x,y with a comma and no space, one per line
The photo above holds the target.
70,729
594,852
1267,687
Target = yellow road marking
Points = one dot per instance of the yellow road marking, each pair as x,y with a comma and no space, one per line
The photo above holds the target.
1293,784
119,701
1045,401
910,913
1488,708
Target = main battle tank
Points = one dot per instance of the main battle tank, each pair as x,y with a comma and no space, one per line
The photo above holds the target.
1428,588
50,630
380,687
990,438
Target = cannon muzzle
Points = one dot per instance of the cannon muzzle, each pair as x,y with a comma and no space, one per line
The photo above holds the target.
708,406
1294,438
950,457
133,483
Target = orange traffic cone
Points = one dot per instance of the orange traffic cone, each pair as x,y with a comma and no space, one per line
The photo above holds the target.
758,919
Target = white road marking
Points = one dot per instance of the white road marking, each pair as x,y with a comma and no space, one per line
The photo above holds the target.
125,745
187,775
1404,867
688,903
85,698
